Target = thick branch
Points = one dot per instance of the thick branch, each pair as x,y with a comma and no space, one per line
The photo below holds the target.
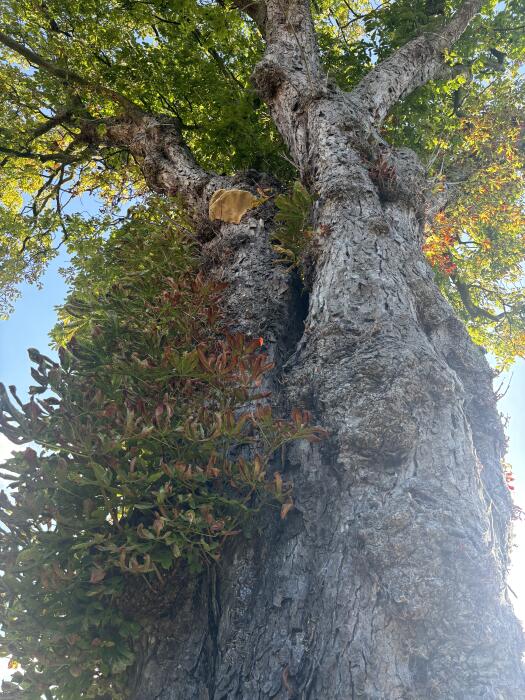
291,45
413,65
290,77
157,146
64,74
256,9
154,141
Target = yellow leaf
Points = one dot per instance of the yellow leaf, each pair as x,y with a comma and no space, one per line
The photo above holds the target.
231,205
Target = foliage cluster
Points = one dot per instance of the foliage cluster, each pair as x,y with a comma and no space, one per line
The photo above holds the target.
154,441
476,244
120,47
293,219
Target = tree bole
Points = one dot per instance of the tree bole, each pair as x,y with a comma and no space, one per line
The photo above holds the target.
387,580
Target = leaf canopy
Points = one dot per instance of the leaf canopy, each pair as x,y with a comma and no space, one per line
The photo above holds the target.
65,64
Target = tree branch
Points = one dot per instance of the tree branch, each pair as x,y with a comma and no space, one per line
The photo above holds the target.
473,309
256,9
291,46
289,76
64,74
42,157
156,144
413,65
59,118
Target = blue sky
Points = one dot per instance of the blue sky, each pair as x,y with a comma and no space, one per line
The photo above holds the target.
29,325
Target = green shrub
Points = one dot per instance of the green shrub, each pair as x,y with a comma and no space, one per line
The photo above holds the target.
153,447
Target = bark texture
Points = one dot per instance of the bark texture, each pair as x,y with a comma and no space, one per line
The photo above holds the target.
387,580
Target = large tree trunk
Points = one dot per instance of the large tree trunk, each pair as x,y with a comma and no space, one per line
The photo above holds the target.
387,580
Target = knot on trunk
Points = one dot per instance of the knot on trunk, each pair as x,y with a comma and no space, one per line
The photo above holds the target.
268,77
399,176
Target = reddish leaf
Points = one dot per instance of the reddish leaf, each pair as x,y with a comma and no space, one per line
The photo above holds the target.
285,509
97,575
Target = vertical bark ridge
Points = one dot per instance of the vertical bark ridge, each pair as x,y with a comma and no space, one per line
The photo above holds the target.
416,514
451,341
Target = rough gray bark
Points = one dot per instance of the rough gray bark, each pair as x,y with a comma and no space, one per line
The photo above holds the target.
387,580
419,61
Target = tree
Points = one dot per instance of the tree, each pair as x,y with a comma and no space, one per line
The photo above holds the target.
387,578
